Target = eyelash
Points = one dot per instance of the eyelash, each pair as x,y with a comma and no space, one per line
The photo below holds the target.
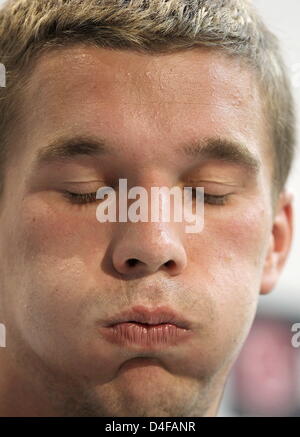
85,198
80,198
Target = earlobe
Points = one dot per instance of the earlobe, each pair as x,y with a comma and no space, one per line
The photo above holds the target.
280,243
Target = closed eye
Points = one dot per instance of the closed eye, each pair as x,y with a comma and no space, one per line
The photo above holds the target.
80,198
215,200
85,198
211,199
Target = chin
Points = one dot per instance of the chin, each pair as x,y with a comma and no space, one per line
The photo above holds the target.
141,389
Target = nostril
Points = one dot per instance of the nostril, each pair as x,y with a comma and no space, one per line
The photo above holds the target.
170,264
132,262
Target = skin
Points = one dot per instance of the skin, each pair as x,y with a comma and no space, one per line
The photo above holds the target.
63,273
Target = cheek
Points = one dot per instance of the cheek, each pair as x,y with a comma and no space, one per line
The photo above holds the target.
56,255
242,246
240,237
61,250
60,231
54,250
227,261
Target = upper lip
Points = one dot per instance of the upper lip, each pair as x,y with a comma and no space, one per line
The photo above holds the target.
142,314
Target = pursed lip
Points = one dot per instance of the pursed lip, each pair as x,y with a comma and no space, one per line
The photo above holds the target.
145,315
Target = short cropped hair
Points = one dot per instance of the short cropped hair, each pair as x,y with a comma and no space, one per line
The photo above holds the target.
30,27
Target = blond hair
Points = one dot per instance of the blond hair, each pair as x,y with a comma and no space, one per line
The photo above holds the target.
29,27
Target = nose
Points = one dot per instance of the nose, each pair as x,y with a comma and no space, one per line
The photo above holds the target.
146,248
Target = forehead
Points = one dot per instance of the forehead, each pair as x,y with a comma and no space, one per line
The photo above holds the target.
132,97
189,77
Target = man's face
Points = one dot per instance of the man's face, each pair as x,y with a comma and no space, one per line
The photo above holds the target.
64,274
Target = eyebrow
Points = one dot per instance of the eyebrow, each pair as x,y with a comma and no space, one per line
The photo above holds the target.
225,150
68,148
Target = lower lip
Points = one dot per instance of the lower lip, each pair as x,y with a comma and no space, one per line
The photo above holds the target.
130,333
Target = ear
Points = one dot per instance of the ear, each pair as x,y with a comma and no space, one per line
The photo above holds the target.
280,242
